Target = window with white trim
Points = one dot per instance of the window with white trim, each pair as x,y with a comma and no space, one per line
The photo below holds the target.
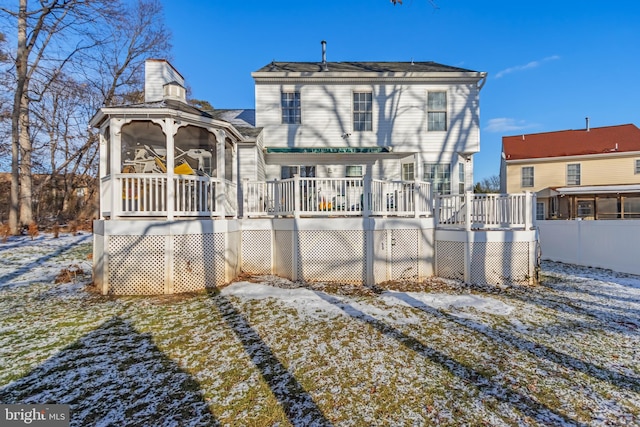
291,109
437,111
527,176
362,111
573,174
353,171
461,178
408,172
439,175
638,167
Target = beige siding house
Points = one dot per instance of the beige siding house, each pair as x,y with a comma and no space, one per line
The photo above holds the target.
591,173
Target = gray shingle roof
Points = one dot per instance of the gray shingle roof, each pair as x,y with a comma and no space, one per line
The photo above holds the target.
375,67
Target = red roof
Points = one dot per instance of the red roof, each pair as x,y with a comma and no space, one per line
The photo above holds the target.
608,139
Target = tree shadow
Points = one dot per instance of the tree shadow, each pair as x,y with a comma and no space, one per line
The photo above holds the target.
297,404
485,385
29,266
536,349
114,375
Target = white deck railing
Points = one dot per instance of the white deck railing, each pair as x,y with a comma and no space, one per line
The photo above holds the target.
482,211
344,196
146,194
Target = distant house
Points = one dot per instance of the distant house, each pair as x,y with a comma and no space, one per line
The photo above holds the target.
591,173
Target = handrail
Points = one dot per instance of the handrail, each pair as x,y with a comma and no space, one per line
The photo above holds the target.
308,196
145,194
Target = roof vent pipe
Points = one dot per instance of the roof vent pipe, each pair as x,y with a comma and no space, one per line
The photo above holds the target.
587,120
324,55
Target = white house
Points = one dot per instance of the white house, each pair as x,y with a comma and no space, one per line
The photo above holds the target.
352,172
396,120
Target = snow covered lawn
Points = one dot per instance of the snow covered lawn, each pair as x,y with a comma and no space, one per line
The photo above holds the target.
268,352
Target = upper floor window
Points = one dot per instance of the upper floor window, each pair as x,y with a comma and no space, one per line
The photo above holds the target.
573,174
407,172
290,104
527,176
637,167
437,111
362,111
461,183
439,175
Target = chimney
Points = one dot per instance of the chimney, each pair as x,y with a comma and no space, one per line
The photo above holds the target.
587,120
324,55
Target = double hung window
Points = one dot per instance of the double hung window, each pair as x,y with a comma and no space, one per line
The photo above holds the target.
527,176
290,105
573,174
362,111
437,111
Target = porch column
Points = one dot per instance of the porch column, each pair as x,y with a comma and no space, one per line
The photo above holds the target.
115,129
170,131
366,191
220,186
103,170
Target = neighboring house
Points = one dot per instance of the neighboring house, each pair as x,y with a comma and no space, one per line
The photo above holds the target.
591,173
394,120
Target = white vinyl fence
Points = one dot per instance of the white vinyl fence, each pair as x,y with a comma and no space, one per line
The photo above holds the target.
611,244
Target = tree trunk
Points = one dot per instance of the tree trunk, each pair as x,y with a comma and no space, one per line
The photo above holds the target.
16,116
26,184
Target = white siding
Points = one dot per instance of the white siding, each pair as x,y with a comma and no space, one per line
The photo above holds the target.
399,121
157,73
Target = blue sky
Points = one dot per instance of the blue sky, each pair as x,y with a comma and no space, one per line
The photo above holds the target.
550,63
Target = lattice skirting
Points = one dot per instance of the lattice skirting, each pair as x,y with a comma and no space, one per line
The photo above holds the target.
495,263
143,265
500,263
450,259
256,251
332,256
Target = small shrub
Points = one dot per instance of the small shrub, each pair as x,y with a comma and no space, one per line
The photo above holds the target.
4,232
73,227
56,230
69,274
33,230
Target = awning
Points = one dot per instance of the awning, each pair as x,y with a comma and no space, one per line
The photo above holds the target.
599,189
330,155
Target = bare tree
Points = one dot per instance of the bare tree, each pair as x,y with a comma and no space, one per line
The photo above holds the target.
98,41
488,185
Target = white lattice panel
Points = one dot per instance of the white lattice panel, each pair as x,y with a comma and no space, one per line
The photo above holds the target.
136,265
450,260
380,254
427,258
500,263
219,260
332,256
404,254
283,254
194,266
256,251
